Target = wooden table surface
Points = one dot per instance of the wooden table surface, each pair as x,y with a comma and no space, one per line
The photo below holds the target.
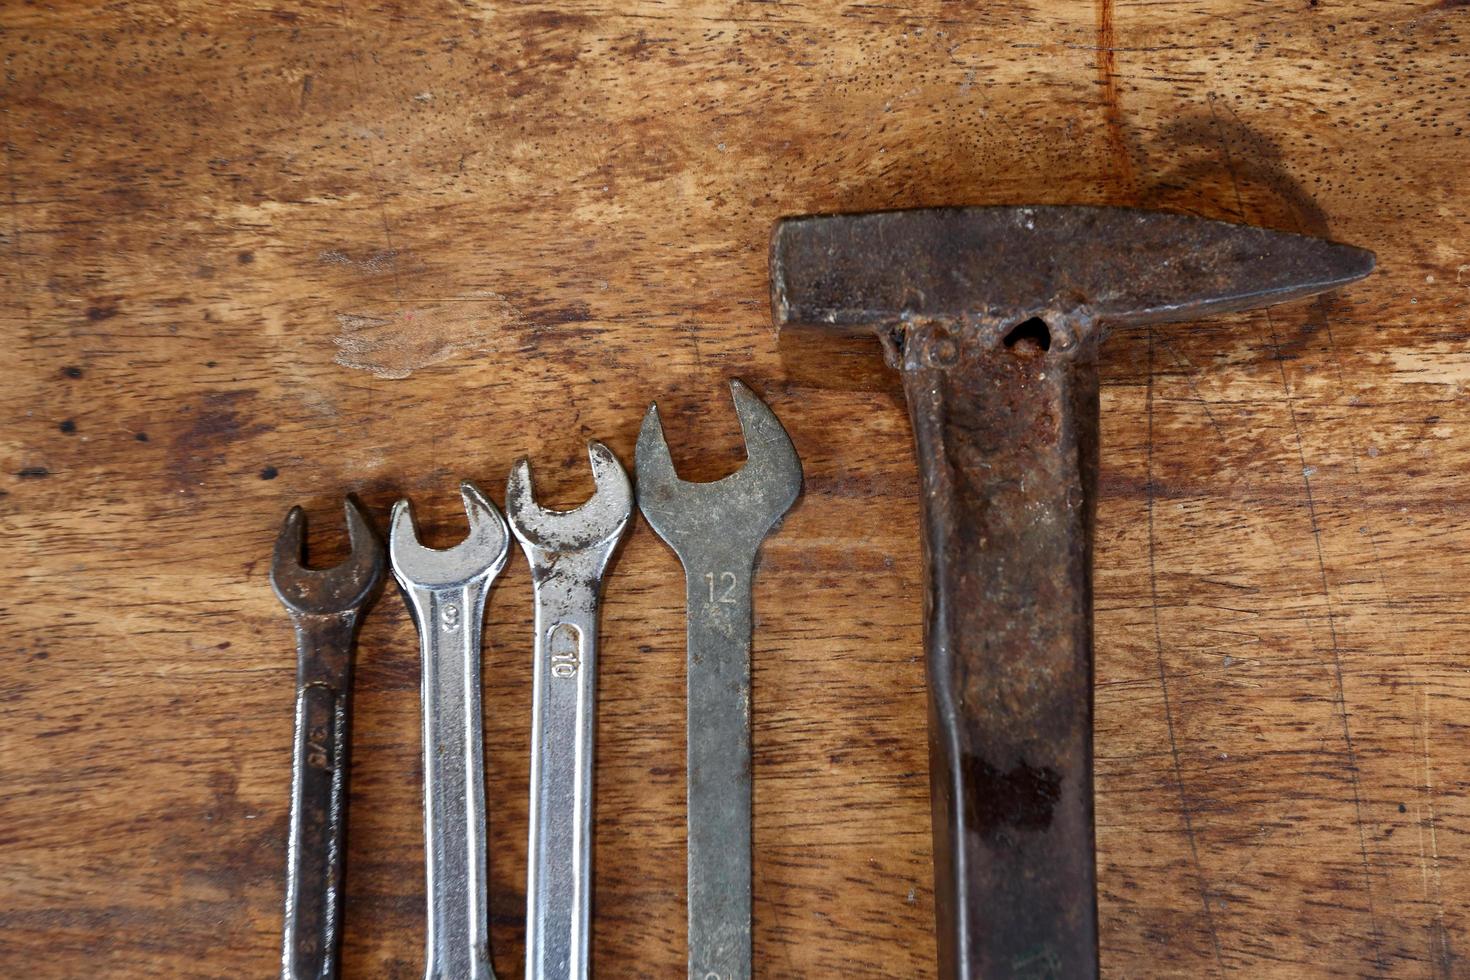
260,255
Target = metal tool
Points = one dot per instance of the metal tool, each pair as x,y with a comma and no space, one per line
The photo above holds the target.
994,316
716,529
446,591
324,605
569,552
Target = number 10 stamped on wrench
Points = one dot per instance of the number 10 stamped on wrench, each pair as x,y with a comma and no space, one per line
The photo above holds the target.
569,552
716,530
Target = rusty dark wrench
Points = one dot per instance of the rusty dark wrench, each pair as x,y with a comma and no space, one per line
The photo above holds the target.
446,592
325,606
569,552
994,316
716,530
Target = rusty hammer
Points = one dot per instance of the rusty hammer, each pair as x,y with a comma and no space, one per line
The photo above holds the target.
994,316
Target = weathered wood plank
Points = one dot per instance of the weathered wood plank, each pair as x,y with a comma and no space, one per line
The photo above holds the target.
255,257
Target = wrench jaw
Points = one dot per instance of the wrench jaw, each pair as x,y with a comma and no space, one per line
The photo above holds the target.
417,565
773,467
546,534
326,591
753,498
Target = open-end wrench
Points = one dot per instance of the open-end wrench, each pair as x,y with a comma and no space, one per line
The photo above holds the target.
569,551
446,591
324,605
716,529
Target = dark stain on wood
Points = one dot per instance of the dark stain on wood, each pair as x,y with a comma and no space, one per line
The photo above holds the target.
220,420
1107,75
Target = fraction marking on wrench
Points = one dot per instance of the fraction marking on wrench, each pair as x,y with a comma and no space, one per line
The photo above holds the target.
324,605
569,552
446,591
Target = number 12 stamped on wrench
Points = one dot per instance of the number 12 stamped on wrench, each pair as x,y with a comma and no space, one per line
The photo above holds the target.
716,530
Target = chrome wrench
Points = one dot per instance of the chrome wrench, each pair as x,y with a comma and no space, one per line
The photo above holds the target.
569,553
324,605
446,592
716,530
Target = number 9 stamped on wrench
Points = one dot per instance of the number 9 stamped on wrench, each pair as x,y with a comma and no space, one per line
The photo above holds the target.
569,553
446,591
716,530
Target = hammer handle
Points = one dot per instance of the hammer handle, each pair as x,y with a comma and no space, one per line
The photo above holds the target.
1007,448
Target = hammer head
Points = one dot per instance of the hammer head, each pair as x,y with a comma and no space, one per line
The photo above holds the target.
1073,267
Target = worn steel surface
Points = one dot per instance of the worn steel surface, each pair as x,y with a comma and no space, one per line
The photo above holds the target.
716,530
325,606
988,269
569,552
446,592
994,315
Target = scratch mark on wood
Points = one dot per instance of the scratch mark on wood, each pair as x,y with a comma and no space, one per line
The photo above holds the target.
1340,687
1185,811
1442,956
1187,371
1340,694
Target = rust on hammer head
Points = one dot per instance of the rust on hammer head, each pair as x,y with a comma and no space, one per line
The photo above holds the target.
1072,266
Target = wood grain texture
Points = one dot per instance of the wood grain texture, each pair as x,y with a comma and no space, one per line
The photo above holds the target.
256,255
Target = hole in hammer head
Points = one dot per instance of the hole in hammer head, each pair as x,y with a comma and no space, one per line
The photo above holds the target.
1034,332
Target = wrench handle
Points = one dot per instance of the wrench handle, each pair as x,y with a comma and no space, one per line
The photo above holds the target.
559,856
458,927
316,841
719,768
